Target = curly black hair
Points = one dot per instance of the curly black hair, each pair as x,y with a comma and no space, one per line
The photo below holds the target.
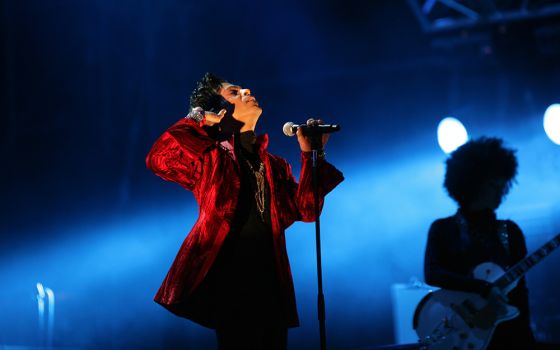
206,94
475,163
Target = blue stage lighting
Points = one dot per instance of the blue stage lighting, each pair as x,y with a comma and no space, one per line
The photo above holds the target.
551,123
451,134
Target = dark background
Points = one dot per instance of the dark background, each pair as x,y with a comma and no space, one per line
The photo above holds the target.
88,87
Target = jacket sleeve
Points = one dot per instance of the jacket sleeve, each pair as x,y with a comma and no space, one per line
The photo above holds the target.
329,177
177,154
439,262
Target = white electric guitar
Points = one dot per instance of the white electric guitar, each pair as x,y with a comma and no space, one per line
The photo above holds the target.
453,320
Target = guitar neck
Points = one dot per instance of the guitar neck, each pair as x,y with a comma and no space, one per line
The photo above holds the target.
528,262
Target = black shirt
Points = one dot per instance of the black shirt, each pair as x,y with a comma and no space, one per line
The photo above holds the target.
242,283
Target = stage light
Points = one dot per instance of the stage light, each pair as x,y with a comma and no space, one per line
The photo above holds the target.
46,333
41,307
551,123
451,134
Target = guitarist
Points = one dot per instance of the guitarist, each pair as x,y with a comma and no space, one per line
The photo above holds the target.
478,176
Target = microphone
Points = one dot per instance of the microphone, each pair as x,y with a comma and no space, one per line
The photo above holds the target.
290,129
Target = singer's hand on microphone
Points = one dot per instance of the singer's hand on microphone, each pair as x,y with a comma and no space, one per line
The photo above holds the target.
305,141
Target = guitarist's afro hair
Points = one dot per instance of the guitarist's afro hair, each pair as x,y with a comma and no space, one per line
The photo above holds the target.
473,164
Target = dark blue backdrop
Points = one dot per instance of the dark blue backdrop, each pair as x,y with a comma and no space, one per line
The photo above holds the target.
88,86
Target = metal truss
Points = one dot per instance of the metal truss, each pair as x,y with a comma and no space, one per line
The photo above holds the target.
449,15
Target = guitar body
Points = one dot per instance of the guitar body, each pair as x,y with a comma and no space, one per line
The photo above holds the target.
454,320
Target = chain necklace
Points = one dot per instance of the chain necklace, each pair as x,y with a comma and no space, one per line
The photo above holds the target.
502,233
260,193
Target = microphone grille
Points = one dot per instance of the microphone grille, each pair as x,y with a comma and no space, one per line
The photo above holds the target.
288,129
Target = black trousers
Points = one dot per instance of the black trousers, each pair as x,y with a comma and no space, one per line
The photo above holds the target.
252,337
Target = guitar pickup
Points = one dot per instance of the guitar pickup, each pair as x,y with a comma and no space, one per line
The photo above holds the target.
465,312
467,304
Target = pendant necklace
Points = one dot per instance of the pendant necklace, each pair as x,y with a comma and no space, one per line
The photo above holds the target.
260,193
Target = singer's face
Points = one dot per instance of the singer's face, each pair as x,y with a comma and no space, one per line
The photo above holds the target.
247,109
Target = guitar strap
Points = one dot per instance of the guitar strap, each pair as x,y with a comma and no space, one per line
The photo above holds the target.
504,236
463,228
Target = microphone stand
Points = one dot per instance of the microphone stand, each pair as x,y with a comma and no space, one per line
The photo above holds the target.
316,147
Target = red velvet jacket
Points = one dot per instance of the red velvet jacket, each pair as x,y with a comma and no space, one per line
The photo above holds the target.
185,154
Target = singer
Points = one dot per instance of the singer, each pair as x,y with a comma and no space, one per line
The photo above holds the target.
232,272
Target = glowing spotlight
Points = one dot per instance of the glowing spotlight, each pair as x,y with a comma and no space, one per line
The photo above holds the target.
42,294
451,134
551,123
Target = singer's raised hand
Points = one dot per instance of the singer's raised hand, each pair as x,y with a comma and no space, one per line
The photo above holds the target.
305,141
211,118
